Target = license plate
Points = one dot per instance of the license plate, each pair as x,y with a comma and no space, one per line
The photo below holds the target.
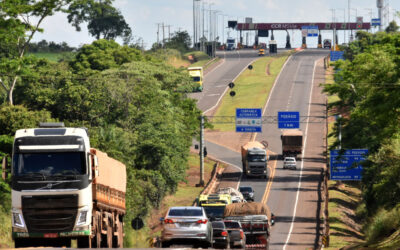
185,224
51,235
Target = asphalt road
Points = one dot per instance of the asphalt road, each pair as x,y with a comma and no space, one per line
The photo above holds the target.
291,192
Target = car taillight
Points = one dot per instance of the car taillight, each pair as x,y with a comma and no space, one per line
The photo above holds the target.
202,221
168,221
241,234
224,233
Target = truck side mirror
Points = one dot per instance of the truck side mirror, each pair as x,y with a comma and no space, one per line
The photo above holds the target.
95,166
272,219
4,168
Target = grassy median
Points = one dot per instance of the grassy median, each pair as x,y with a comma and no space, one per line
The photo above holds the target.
252,88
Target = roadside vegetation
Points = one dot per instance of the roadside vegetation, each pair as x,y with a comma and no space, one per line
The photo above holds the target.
133,104
252,88
367,87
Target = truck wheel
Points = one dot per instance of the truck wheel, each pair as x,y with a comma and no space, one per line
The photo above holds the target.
18,243
84,242
109,236
118,240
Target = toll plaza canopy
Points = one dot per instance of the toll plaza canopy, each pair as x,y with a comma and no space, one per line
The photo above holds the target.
293,26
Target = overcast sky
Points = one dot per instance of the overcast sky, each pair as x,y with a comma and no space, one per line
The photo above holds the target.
143,16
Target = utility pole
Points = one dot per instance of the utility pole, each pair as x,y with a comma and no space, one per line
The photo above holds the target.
158,34
163,35
169,32
201,151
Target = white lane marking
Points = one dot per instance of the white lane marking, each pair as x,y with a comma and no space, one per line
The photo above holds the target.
220,86
213,95
292,87
227,87
302,161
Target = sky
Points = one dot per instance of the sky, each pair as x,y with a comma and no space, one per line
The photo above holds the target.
144,15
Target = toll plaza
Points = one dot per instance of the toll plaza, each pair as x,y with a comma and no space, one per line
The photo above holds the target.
308,29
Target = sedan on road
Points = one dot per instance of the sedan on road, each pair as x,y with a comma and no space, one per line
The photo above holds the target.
186,225
220,235
248,193
289,162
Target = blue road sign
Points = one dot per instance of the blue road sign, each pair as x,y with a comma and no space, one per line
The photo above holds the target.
375,21
288,120
249,120
336,55
346,166
311,30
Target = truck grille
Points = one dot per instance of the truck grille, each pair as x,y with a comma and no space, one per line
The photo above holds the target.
49,214
257,169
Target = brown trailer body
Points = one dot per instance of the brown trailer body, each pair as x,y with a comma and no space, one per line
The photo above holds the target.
109,186
292,142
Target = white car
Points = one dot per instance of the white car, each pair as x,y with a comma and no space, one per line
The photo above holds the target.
289,162
186,225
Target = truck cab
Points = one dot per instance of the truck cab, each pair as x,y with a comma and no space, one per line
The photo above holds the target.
230,44
197,76
255,159
214,204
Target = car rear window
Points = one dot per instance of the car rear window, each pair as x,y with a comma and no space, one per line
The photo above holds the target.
232,224
185,212
218,224
245,189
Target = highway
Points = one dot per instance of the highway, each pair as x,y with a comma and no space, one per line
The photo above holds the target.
291,194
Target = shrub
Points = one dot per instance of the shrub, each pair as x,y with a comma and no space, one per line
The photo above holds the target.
383,224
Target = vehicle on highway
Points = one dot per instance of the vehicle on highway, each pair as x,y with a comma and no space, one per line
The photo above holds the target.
62,190
289,162
235,194
292,142
197,75
230,43
220,235
261,52
255,159
214,204
237,238
327,43
256,220
186,225
248,193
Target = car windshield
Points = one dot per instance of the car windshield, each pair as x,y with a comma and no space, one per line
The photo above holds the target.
290,160
216,212
245,189
260,158
185,212
49,164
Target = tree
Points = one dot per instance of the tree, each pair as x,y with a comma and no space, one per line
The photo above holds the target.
18,29
180,40
393,27
104,21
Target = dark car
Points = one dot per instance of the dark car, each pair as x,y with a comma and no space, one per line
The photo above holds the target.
220,235
248,193
237,238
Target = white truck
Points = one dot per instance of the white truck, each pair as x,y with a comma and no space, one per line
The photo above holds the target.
230,43
62,190
255,159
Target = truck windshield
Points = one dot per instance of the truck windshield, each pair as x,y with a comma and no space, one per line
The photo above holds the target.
196,78
260,158
214,211
230,41
49,164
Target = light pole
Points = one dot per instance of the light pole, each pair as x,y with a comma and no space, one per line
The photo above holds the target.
344,18
334,29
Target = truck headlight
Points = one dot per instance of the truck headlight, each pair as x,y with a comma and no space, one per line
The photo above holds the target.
18,220
248,171
82,218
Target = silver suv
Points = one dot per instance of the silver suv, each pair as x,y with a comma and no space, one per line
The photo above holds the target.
184,225
289,162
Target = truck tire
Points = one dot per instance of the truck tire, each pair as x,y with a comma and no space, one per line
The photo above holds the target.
18,243
118,240
84,242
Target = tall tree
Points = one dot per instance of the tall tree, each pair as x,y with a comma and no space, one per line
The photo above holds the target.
103,20
20,20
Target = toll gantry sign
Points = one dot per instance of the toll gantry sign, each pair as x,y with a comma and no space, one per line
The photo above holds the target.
346,166
288,119
249,120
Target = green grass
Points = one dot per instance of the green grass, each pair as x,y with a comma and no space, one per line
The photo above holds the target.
341,234
5,230
53,57
252,89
